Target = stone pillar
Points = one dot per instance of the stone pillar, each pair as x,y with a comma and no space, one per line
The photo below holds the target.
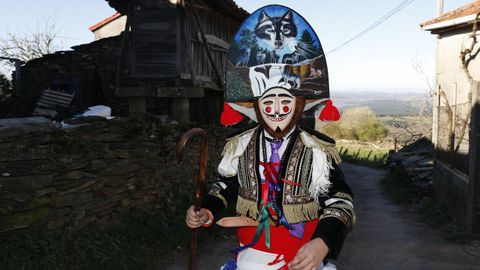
136,105
180,109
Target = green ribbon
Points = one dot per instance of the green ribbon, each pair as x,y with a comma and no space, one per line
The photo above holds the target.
267,231
264,221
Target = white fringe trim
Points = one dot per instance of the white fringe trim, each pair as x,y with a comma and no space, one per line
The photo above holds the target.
320,175
233,149
323,155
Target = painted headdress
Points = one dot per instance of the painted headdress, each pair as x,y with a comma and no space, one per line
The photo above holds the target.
275,47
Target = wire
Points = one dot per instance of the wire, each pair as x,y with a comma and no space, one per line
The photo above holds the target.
374,25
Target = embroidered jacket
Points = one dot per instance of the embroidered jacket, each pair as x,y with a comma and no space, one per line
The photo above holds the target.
310,161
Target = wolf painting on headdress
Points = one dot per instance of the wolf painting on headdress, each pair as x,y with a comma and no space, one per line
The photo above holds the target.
279,34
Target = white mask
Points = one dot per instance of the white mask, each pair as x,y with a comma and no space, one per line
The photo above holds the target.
277,107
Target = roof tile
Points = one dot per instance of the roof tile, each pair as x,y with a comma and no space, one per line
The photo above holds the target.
104,22
468,9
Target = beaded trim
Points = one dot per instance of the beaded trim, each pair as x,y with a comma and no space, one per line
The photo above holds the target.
339,214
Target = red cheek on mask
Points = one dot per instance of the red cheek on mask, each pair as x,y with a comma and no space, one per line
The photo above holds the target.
268,109
286,109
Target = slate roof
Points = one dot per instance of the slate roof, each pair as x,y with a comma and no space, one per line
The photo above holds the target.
228,7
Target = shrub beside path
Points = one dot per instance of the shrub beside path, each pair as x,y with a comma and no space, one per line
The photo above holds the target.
386,236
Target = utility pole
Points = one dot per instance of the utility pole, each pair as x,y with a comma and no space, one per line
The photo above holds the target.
440,7
436,113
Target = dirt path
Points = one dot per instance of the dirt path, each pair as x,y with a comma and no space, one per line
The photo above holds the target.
386,236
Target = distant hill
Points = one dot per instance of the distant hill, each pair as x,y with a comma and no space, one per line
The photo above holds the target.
382,103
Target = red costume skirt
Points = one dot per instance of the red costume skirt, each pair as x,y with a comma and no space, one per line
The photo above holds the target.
281,241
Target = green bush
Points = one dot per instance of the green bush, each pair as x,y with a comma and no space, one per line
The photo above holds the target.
371,131
336,131
357,124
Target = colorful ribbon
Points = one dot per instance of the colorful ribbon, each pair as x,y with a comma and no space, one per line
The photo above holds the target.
264,223
270,187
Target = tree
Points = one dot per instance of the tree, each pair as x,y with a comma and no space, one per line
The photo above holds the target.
248,37
5,88
26,46
407,129
307,46
424,105
20,47
306,38
5,94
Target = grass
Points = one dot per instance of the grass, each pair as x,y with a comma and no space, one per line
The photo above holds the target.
363,155
434,215
397,189
430,212
141,241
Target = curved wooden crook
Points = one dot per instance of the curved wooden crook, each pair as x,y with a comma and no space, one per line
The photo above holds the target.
200,180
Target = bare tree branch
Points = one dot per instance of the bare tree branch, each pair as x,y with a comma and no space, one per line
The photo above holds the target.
448,110
417,65
33,44
466,56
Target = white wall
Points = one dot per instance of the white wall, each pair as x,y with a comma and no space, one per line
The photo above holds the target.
451,78
111,29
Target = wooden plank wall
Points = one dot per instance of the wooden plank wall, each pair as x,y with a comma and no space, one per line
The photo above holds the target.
155,43
219,30
167,42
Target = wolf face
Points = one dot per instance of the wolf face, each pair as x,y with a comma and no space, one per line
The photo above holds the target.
278,32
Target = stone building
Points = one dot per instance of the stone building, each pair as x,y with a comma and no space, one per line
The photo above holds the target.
178,50
456,114
168,59
110,27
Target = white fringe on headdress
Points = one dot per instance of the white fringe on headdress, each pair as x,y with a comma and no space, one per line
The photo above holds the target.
324,154
233,149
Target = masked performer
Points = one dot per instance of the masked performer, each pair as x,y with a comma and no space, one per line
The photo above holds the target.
293,206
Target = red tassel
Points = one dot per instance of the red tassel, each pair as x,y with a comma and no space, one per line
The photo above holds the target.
229,116
329,112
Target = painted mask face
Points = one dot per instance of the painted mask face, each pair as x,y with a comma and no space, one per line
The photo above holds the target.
277,108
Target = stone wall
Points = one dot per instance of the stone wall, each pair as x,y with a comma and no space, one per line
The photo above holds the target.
451,188
94,63
92,174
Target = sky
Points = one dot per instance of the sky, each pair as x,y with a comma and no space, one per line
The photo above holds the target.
381,60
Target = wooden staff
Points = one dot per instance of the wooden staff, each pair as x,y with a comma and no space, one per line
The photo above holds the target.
200,181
